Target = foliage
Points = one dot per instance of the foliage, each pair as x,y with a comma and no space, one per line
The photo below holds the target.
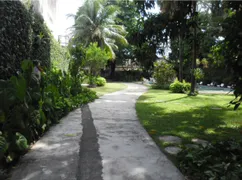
164,74
232,46
40,49
180,87
221,160
30,105
25,36
59,56
100,81
95,60
15,35
77,60
198,73
94,22
205,116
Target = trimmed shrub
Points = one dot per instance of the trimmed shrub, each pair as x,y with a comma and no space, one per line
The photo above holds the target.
100,81
164,74
180,87
41,41
15,35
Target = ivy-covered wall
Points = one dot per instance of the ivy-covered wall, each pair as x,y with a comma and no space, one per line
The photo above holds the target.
15,35
41,38
24,35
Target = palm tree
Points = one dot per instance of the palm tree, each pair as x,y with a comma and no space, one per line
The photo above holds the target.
94,22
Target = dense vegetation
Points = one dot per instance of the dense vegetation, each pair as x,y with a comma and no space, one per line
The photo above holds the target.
37,89
206,117
122,40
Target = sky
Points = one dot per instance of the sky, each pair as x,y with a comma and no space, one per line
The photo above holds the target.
70,7
66,7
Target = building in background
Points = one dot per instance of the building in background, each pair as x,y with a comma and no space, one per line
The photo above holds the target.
49,10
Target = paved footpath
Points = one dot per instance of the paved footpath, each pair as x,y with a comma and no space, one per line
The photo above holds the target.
109,144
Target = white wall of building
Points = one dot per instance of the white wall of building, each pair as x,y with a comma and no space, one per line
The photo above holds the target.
49,10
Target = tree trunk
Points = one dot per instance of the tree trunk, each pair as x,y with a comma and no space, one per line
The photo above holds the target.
112,69
181,51
194,47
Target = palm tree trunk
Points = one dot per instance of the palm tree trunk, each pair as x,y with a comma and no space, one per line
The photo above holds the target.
181,49
194,47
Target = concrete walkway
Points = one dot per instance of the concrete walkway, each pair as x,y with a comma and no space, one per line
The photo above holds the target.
110,144
127,151
54,156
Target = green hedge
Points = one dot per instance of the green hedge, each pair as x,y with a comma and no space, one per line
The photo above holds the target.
29,106
15,35
41,41
24,35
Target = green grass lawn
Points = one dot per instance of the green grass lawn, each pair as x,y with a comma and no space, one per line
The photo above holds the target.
109,88
204,116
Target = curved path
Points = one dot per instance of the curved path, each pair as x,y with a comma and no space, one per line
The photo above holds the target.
127,151
113,145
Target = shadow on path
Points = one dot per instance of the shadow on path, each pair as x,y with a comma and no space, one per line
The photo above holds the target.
90,161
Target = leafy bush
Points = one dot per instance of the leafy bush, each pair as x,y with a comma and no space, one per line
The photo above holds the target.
96,58
100,81
30,105
180,87
59,56
221,160
164,74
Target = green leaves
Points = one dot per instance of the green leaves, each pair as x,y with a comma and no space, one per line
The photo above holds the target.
94,22
164,74
3,145
221,160
96,58
180,87
21,142
20,86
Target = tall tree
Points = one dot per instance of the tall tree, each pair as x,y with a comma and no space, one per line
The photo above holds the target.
177,12
94,22
232,45
194,47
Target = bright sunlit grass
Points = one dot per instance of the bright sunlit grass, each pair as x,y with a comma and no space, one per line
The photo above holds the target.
109,88
204,116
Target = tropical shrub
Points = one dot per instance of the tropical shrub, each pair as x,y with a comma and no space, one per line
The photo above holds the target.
31,103
96,59
180,87
164,74
221,160
30,106
100,81
59,56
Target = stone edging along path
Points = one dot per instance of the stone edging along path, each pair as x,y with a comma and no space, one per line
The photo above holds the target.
102,141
